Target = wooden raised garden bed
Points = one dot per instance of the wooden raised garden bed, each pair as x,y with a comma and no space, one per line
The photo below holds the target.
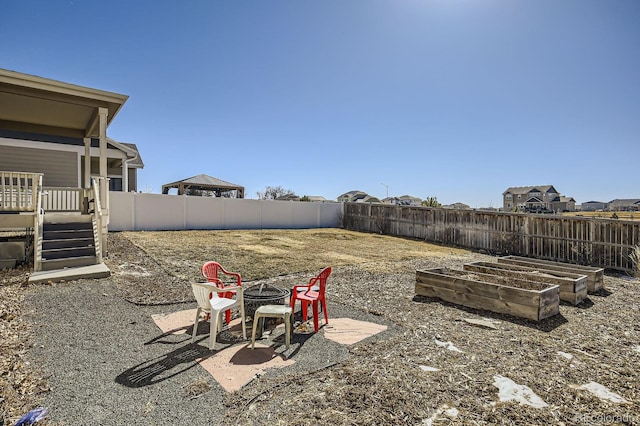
573,287
506,295
595,276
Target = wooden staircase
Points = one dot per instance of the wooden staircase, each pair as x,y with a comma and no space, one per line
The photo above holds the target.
69,224
69,249
67,243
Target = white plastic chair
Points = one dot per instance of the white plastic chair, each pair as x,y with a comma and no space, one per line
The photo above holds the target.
209,302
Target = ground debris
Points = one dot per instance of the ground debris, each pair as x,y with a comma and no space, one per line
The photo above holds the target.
381,382
21,383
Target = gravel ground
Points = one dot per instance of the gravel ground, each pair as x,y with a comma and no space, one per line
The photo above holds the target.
90,340
92,343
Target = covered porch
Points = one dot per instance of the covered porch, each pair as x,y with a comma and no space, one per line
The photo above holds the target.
49,133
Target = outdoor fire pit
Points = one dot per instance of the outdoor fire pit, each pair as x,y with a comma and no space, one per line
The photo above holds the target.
262,294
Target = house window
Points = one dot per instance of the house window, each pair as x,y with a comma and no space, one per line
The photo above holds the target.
509,197
115,184
519,196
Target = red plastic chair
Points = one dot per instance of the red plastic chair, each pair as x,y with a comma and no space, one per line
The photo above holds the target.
313,293
215,273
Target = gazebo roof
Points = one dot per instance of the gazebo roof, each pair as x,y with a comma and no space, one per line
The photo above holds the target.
203,182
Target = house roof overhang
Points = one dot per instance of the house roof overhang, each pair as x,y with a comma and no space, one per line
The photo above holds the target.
36,104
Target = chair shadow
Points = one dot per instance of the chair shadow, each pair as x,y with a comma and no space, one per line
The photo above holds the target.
164,367
187,334
546,325
227,335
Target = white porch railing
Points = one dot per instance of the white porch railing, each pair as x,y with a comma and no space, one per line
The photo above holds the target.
19,191
63,199
23,193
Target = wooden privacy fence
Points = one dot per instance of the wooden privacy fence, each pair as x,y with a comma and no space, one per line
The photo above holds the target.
607,243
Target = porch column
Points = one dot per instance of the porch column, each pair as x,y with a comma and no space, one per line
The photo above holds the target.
125,176
87,163
102,113
104,184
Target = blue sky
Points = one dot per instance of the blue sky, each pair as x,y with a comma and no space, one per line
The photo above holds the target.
454,99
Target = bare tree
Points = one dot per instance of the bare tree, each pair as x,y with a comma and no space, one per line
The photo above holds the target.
273,192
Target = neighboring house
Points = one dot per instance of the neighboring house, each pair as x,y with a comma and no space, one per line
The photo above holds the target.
288,197
624,205
563,204
55,162
403,200
459,206
357,197
316,198
369,199
294,197
543,198
592,206
352,196
204,185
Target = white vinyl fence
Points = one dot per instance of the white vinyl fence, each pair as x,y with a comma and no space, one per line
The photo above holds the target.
130,211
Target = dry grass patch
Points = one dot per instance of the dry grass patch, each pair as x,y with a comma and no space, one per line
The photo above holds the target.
267,253
606,215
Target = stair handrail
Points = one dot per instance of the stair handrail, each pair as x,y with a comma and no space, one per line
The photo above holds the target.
37,228
97,219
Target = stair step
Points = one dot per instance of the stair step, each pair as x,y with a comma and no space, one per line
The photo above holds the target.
67,243
66,234
55,226
71,262
68,252
54,217
95,271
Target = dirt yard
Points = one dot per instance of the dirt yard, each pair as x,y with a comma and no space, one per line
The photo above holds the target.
445,365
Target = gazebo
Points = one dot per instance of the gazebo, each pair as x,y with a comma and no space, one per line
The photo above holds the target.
204,183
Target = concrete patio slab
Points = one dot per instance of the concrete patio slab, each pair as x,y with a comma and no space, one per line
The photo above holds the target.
347,331
175,322
235,366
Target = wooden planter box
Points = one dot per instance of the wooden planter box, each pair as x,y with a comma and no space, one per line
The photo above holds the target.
512,296
595,276
573,287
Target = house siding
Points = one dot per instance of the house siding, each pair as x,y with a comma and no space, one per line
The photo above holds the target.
59,168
